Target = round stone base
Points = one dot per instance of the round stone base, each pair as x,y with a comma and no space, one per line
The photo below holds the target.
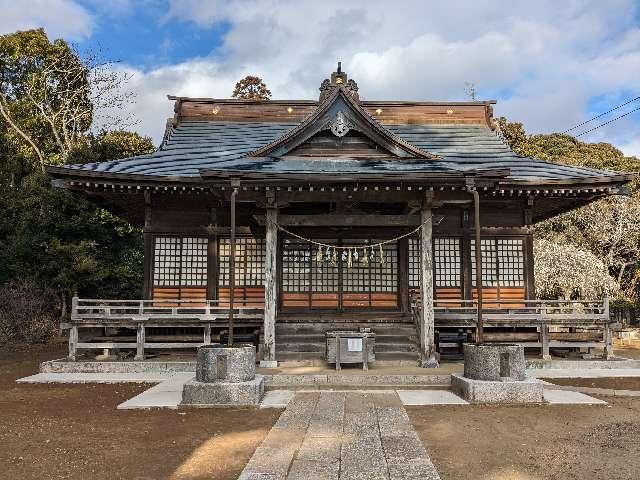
494,362
221,363
530,390
223,394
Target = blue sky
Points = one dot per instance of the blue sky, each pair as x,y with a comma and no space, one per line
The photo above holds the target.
549,64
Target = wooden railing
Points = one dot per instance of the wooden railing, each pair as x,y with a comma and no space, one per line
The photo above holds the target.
140,314
588,322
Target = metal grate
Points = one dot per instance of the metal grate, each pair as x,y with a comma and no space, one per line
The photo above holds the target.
250,257
180,262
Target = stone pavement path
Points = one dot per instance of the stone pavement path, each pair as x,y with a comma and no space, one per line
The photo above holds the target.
342,436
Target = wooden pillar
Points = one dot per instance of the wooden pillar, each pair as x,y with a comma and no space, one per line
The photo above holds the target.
235,184
403,275
140,334
147,280
607,333
270,289
544,339
427,331
212,256
478,272
73,343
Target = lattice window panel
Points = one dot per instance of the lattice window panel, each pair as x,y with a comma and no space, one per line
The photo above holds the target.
489,262
502,262
357,278
447,262
414,263
296,266
384,276
250,258
325,277
180,261
510,252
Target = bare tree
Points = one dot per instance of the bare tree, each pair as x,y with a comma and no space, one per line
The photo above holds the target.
68,93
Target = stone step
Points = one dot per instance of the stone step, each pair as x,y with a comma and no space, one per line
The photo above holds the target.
299,347
323,326
390,356
395,347
406,331
300,338
321,339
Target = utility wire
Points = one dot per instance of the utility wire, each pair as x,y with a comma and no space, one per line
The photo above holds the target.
601,115
606,123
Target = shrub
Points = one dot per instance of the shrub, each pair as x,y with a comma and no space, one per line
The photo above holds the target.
26,314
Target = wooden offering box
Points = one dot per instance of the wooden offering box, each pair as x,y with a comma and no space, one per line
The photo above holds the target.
350,347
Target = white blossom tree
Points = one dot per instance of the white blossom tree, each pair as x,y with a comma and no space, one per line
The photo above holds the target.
566,271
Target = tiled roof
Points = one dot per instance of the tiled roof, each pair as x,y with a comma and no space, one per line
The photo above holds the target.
214,145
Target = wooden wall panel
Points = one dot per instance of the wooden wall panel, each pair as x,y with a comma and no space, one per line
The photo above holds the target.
295,111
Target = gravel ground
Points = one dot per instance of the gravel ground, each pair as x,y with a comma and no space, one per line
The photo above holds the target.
75,432
558,442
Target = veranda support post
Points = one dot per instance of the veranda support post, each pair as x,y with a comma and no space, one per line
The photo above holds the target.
478,272
270,290
427,331
235,184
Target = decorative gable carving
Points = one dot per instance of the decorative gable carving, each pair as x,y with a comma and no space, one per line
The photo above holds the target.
339,126
340,113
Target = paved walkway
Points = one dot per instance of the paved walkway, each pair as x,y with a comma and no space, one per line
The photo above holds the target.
342,435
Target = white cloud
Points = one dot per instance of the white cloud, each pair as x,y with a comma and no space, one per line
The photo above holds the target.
632,148
60,18
543,60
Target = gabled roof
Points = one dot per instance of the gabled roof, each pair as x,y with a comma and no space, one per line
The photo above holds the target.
341,112
193,146
405,141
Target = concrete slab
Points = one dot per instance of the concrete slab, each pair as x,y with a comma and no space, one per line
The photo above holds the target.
566,397
583,372
430,397
164,395
140,377
276,399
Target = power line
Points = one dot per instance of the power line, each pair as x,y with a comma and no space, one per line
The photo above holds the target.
606,123
601,115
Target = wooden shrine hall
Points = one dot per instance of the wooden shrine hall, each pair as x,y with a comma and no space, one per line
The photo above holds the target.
343,213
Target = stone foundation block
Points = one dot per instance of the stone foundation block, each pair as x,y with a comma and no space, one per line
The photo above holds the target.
529,390
223,394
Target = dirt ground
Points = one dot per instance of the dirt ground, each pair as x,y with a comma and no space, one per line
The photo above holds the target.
75,432
533,443
616,383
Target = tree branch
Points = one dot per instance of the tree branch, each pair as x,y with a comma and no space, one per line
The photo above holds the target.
5,114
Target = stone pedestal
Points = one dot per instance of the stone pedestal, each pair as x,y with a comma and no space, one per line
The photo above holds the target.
223,394
225,376
496,374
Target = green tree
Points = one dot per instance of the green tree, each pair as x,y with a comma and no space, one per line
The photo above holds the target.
251,88
52,239
112,145
608,229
